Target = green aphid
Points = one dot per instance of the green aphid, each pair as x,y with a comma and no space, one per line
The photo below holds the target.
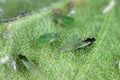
31,66
77,45
67,21
47,38
64,20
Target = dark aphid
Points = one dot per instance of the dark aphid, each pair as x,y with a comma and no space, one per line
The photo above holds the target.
30,66
57,12
47,38
77,44
70,4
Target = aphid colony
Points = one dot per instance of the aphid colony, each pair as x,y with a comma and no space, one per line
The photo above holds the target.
60,19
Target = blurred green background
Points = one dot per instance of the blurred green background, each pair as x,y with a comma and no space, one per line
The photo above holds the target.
10,8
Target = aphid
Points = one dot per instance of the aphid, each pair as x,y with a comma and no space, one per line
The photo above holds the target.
109,7
61,19
77,45
30,66
66,21
47,38
57,12
70,4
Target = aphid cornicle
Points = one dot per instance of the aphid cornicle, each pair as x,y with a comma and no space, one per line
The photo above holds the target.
31,66
77,45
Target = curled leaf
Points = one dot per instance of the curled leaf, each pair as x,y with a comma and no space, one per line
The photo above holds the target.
77,44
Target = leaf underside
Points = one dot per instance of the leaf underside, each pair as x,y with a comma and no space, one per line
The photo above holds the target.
97,62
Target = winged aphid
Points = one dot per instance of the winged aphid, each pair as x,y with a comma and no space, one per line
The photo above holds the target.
30,66
77,45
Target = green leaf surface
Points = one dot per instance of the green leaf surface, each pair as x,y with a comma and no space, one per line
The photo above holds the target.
98,62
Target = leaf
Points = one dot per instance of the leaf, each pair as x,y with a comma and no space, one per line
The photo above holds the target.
47,38
77,45
94,64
